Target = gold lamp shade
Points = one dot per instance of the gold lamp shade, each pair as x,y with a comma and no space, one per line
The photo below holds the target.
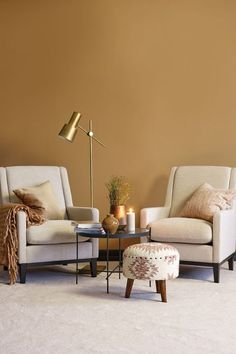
70,129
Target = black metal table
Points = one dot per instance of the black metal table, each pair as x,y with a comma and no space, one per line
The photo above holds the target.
120,234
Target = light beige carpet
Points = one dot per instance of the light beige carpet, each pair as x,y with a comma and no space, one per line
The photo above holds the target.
50,314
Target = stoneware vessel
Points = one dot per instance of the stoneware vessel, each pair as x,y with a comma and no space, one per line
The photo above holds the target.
110,224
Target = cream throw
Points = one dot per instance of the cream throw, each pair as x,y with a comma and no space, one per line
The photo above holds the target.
9,237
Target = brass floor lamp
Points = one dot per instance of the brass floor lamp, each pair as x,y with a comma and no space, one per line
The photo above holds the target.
69,132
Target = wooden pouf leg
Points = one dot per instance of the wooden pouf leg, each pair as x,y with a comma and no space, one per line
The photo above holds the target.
158,287
129,286
163,290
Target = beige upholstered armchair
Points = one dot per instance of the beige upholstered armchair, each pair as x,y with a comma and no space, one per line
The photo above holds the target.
199,242
53,242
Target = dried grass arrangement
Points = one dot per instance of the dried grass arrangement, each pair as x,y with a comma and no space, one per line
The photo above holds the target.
119,190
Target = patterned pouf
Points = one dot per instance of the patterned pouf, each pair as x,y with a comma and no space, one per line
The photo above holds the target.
150,261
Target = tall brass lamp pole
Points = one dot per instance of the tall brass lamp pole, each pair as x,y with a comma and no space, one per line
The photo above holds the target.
69,132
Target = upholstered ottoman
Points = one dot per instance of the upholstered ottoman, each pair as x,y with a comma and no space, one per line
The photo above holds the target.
150,261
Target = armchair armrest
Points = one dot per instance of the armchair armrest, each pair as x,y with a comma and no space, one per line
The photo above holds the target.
21,231
149,215
224,234
83,214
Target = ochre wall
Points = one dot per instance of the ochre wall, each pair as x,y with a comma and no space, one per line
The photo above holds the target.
156,77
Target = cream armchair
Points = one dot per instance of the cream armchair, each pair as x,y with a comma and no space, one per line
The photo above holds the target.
199,242
53,242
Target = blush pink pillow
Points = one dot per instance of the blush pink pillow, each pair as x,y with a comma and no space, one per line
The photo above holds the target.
206,201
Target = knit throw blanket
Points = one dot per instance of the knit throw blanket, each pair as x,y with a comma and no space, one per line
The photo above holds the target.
9,237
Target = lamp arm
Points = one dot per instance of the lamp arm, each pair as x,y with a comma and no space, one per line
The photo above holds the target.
79,126
92,136
98,141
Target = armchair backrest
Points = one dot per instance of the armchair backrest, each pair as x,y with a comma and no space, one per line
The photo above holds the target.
184,180
14,177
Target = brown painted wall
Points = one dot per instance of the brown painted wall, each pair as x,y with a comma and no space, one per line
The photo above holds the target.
156,77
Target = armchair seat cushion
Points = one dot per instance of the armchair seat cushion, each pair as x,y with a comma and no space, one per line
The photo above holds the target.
53,232
182,230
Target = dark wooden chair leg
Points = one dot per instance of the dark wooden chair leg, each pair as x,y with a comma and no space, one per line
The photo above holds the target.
129,286
216,272
158,288
93,267
22,268
231,263
163,290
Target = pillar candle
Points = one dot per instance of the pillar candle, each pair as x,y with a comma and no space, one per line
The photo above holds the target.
130,220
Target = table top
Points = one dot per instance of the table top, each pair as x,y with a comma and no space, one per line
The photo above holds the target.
119,234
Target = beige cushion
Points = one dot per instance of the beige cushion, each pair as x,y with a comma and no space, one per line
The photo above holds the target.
15,177
206,201
188,178
53,232
42,199
183,230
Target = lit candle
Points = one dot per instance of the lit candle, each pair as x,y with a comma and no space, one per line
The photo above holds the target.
130,220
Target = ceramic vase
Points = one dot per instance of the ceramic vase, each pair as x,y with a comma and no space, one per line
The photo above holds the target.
110,224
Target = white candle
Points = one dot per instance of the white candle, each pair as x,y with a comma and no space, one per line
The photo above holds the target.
130,220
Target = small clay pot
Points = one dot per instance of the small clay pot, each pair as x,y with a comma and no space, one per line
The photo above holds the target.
110,224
